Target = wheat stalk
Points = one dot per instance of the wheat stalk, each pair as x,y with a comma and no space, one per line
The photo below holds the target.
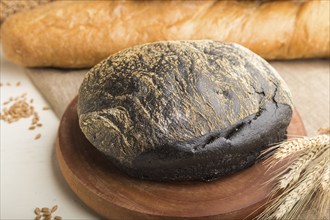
287,178
325,182
304,183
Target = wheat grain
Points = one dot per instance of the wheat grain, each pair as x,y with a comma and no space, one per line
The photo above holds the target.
46,213
19,109
32,127
45,209
34,121
38,136
48,217
37,211
54,209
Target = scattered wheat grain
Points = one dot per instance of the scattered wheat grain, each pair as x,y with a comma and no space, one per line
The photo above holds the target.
32,127
57,218
44,209
45,108
18,83
54,209
19,109
34,121
37,136
37,211
48,217
38,217
46,213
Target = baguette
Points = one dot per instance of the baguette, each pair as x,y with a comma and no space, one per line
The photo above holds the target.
78,34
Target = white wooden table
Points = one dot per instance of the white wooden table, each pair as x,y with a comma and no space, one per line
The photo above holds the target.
29,173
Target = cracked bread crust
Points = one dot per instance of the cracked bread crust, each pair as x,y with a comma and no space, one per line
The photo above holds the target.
183,110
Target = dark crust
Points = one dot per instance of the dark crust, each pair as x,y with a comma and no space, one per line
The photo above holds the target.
217,154
161,111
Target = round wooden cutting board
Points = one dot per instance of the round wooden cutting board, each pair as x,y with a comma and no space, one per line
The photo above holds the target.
115,195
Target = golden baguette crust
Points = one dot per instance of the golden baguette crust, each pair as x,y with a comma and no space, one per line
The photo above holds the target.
76,34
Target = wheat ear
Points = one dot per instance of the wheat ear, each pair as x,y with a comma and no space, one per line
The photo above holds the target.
293,146
304,183
308,184
287,178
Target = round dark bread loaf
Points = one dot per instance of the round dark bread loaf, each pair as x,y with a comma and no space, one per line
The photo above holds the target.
183,110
